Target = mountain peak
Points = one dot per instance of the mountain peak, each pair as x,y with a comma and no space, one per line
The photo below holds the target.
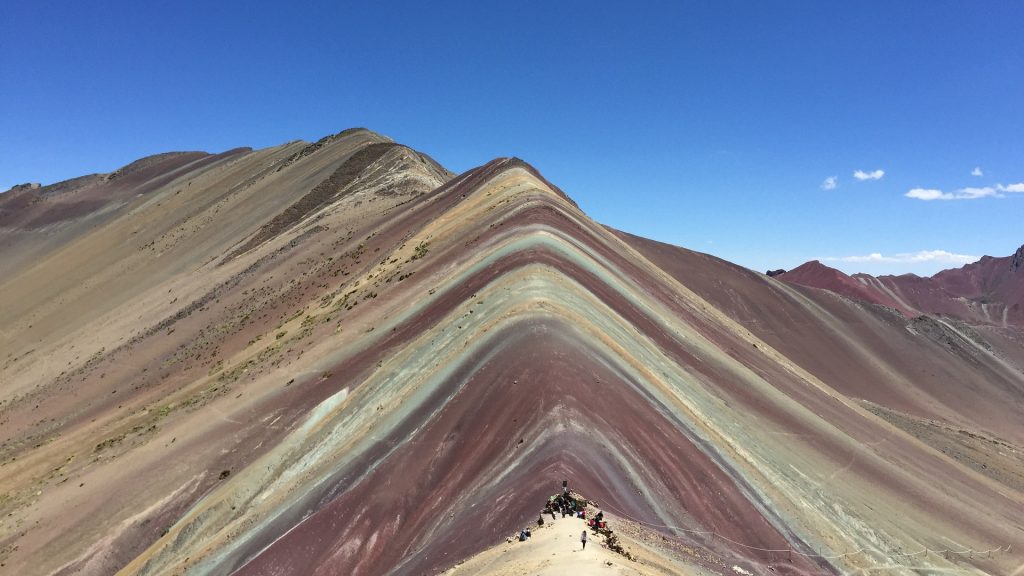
988,291
363,365
814,274
814,268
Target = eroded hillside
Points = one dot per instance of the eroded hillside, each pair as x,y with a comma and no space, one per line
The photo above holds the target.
339,358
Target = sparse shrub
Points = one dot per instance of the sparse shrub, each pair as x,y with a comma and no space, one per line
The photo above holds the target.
421,250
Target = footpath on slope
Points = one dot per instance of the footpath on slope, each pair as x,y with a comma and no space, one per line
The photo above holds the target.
555,547
551,545
553,550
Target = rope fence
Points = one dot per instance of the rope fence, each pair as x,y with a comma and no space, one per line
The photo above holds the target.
970,552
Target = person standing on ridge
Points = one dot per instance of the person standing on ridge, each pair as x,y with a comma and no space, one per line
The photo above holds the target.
583,539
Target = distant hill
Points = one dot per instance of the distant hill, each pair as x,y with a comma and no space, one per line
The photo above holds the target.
989,291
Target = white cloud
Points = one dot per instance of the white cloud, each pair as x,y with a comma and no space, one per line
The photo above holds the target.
862,175
969,193
929,194
972,193
977,171
830,183
933,256
964,193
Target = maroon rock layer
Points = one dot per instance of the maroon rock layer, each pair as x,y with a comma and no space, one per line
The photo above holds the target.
989,291
339,358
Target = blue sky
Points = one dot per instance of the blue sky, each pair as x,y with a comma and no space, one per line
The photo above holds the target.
712,125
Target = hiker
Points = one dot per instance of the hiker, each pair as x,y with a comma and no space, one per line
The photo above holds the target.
540,520
600,515
551,511
583,539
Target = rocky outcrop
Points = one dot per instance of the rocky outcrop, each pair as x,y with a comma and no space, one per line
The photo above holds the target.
1018,259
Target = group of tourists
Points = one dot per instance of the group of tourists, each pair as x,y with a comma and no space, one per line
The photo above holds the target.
566,505
573,505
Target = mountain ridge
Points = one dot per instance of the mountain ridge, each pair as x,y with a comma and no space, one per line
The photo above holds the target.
989,291
392,381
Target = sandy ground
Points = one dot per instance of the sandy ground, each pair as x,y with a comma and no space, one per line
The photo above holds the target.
554,549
